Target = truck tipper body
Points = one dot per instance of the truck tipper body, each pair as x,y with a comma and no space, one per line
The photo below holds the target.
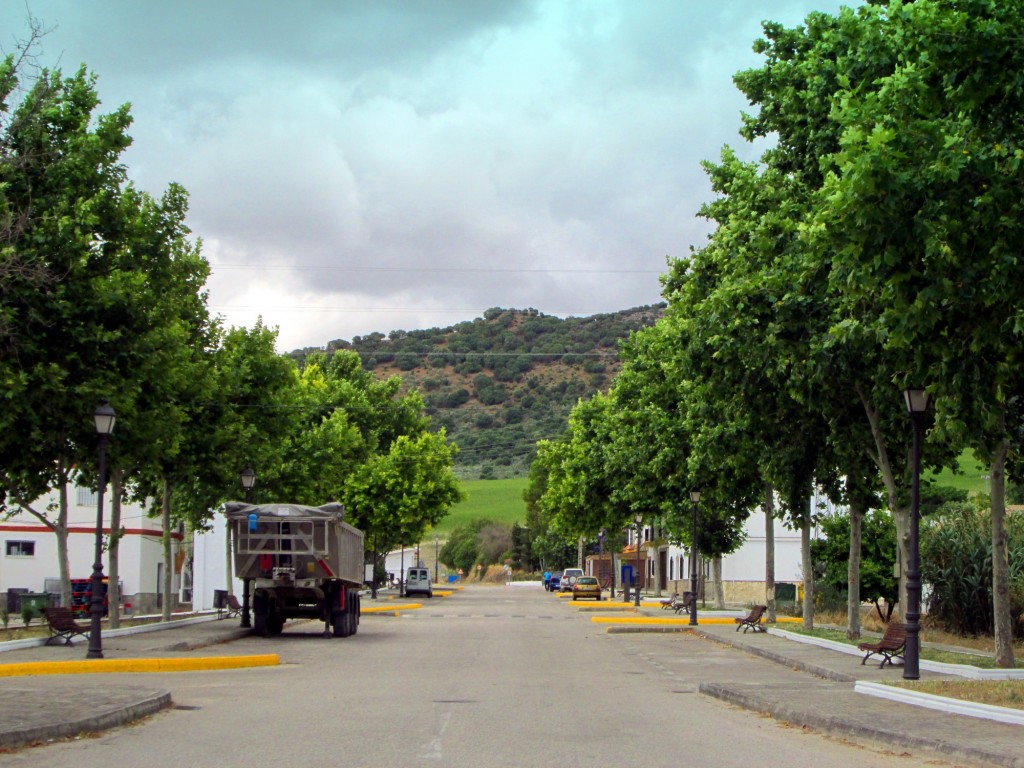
297,561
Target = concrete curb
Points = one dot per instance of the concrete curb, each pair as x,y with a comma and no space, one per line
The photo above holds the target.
960,670
142,704
814,669
749,699
940,703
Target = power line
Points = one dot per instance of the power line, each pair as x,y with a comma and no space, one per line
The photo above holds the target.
444,270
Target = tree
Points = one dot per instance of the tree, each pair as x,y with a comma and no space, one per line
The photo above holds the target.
120,278
831,552
922,214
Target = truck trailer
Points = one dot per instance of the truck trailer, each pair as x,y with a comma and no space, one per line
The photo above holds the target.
297,561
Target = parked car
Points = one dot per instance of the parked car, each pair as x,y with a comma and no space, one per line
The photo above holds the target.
418,582
586,586
553,583
569,576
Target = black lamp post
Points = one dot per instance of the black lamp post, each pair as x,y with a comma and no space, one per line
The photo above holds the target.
248,481
695,498
917,405
104,417
636,579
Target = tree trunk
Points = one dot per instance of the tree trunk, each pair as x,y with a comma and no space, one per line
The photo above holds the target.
805,557
769,550
655,561
113,549
1000,562
168,557
227,559
716,571
60,528
853,570
900,512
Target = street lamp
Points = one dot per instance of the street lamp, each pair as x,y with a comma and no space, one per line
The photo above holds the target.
104,417
917,405
695,498
248,481
638,518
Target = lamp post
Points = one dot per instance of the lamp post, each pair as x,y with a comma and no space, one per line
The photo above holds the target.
695,498
104,418
436,550
917,405
638,518
248,481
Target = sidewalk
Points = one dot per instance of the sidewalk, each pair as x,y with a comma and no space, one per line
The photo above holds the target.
813,687
39,708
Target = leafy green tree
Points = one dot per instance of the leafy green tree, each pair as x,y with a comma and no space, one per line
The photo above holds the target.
878,554
922,217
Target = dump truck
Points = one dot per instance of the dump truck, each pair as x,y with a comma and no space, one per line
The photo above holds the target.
297,561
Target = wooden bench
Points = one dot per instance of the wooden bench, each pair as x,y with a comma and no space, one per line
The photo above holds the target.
752,620
231,606
682,604
891,646
62,624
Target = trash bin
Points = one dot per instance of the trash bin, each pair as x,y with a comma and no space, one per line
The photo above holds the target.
14,600
35,602
220,599
785,593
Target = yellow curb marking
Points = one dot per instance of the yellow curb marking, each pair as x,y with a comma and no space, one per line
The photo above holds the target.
94,666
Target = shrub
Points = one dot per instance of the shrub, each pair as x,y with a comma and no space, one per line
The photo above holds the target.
956,560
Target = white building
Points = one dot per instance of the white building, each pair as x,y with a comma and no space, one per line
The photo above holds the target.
28,551
666,567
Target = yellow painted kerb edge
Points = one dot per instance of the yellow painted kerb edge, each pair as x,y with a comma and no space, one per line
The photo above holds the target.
101,666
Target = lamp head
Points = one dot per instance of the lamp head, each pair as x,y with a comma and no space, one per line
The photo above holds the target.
695,495
248,478
917,399
104,417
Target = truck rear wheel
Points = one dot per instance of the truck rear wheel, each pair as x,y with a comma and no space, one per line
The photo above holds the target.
341,620
259,615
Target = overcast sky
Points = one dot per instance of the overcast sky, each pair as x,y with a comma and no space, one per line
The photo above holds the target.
370,166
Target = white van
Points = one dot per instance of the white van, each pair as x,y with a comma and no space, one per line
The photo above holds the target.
417,582
569,576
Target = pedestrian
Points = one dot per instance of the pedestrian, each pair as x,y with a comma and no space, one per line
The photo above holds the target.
547,581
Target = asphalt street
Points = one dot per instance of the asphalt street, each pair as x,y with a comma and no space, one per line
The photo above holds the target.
495,676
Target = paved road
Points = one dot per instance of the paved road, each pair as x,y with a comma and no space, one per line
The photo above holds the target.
489,677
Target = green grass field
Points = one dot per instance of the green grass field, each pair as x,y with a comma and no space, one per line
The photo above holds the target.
497,500
972,477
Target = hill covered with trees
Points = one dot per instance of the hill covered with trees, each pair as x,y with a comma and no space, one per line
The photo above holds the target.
501,382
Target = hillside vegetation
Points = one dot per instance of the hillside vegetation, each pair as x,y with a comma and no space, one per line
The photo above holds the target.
503,381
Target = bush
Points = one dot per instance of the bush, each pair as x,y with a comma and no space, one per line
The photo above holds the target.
956,560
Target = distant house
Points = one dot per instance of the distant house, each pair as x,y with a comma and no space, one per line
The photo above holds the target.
665,568
28,551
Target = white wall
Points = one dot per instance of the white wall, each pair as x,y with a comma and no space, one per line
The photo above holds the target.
209,565
139,550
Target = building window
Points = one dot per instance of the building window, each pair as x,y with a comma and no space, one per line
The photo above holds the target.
21,549
87,497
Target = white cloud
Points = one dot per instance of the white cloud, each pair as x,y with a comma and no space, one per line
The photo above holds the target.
357,167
